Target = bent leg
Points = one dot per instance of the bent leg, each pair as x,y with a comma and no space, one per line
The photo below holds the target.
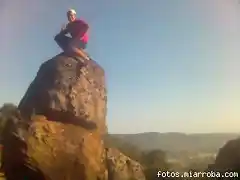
62,41
79,52
77,47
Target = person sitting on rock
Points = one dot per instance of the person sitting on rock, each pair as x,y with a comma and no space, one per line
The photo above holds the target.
78,29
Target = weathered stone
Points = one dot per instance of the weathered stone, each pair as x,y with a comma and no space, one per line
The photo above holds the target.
121,167
70,90
58,133
48,150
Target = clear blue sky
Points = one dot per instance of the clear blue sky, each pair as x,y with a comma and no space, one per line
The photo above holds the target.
171,65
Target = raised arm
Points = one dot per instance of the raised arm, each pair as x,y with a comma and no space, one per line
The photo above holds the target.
64,30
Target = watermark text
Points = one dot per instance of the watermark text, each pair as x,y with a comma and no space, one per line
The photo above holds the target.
194,174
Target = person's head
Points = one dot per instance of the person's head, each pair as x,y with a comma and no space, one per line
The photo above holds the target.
71,15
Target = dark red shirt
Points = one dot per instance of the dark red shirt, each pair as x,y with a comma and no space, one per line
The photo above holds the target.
78,28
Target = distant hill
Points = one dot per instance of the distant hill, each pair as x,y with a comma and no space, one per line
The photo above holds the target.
177,142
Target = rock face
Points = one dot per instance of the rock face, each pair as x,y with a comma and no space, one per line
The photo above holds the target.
228,158
121,167
68,89
48,150
58,133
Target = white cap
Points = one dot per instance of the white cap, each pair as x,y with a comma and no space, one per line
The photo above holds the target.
72,11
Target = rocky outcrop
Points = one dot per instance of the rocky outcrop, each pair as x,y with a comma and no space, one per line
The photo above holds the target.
70,90
228,157
58,132
227,161
121,167
48,150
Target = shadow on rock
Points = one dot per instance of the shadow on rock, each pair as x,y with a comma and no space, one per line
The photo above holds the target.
68,118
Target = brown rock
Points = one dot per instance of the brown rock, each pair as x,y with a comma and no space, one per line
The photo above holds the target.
70,90
121,167
47,150
58,134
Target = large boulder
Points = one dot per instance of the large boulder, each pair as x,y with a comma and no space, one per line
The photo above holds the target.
70,90
69,96
49,150
58,132
228,157
227,161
